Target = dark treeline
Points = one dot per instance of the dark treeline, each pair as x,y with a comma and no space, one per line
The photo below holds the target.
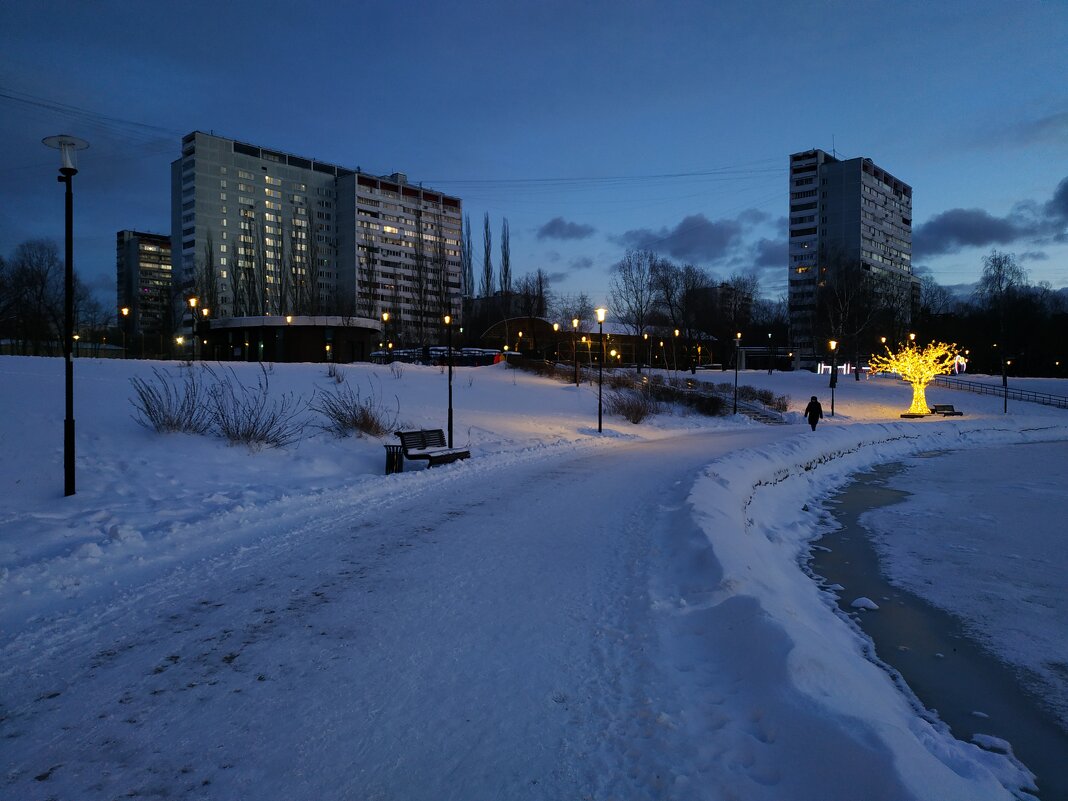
32,303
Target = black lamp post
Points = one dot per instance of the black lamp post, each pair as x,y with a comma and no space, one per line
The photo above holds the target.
737,346
574,346
448,334
834,371
66,145
675,353
771,355
385,334
600,365
125,310
193,329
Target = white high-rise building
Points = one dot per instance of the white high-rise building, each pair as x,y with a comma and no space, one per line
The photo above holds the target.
258,232
844,215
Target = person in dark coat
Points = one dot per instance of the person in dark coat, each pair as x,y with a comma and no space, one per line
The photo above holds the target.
814,412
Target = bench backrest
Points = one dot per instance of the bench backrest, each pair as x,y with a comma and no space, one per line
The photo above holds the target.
416,440
942,407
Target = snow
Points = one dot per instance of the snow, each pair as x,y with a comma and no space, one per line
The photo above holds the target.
565,614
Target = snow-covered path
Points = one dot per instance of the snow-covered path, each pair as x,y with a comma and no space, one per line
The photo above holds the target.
495,689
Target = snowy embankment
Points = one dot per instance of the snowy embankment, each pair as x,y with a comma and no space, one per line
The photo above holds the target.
766,692
760,512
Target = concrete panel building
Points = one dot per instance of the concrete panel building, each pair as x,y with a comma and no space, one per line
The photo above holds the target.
143,282
845,215
259,232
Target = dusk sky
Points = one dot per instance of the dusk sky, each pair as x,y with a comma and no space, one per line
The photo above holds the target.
592,126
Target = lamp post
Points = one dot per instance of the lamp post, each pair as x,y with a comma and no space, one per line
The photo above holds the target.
600,364
675,353
771,355
737,348
125,310
67,145
204,313
448,334
556,343
385,333
834,371
193,329
574,346
649,351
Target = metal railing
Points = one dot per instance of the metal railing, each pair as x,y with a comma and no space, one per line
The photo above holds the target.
982,388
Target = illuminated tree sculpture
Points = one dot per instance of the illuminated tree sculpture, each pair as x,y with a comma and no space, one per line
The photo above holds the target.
918,366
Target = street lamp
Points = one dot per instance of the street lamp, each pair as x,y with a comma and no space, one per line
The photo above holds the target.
574,346
834,371
448,332
193,329
600,364
674,353
204,313
737,347
771,355
67,145
125,314
556,343
649,351
385,329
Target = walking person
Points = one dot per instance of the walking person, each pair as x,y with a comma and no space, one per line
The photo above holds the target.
814,412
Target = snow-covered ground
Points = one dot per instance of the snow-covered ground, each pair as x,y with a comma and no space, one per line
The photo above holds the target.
565,614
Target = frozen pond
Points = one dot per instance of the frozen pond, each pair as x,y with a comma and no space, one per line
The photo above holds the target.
970,588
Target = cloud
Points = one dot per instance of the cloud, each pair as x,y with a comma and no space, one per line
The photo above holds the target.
559,228
695,237
581,263
1057,207
771,253
1051,129
952,230
1034,255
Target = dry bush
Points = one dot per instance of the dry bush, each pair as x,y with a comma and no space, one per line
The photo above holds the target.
348,412
165,407
631,404
249,416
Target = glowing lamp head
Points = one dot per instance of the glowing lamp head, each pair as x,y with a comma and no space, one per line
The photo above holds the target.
834,344
448,319
600,314
556,327
574,323
192,303
385,317
125,311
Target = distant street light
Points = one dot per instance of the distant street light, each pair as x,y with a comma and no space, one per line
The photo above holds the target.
67,145
834,371
771,355
125,315
193,329
574,346
649,351
448,331
737,347
675,353
556,344
600,365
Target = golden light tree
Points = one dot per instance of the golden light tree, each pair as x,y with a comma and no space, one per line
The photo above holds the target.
918,366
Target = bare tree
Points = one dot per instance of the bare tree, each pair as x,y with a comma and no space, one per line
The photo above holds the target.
486,286
631,289
467,268
506,260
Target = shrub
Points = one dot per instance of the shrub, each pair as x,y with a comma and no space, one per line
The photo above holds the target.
166,408
631,404
396,369
334,372
248,416
347,412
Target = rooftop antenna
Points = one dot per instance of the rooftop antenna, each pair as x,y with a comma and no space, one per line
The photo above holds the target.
833,151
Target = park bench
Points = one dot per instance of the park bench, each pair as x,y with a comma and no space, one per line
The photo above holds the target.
428,444
946,410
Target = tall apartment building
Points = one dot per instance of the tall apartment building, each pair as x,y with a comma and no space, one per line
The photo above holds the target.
143,282
845,215
260,232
